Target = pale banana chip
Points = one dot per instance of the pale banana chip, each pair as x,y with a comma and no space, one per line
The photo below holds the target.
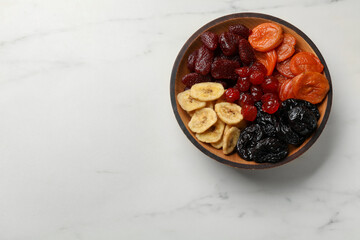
213,134
229,113
207,91
230,139
218,144
202,120
188,103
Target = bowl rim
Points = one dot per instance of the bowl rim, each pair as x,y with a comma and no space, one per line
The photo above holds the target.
216,157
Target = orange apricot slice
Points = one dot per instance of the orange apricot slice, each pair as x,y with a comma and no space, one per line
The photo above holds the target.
310,86
266,37
268,59
286,48
305,62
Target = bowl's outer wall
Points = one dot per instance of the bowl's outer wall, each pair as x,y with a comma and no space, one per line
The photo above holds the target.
220,25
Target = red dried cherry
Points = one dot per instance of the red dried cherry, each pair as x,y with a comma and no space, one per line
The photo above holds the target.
232,94
257,77
256,92
271,106
270,85
246,98
243,71
249,112
268,96
243,84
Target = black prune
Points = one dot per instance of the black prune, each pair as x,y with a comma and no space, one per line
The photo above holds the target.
268,123
248,140
286,134
270,150
291,103
302,120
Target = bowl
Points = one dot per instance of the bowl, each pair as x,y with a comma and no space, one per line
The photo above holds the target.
218,26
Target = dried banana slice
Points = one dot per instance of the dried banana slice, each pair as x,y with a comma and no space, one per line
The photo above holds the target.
207,91
230,139
218,144
188,103
229,113
202,120
213,134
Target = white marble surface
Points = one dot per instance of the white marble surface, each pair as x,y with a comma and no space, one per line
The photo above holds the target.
90,148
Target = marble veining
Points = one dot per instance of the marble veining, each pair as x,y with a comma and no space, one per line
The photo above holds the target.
90,148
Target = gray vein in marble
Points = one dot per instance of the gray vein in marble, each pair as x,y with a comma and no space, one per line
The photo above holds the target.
108,172
332,220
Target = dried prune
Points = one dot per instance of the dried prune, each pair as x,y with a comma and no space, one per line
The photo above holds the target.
191,60
270,150
302,120
240,29
248,140
267,122
246,52
228,43
192,78
210,40
286,134
203,60
291,103
224,69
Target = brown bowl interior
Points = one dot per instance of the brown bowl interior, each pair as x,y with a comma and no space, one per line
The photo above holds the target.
218,26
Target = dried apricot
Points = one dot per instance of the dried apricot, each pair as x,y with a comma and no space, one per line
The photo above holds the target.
305,62
286,48
286,90
279,77
310,86
284,68
268,59
266,37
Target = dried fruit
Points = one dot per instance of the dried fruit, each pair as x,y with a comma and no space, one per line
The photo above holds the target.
246,99
240,29
270,150
228,43
286,134
203,60
268,59
249,112
270,85
302,120
232,94
243,84
210,40
257,77
224,69
286,48
191,60
286,90
246,52
256,92
284,68
268,123
266,37
258,66
243,72
192,78
248,140
310,86
305,62
289,104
